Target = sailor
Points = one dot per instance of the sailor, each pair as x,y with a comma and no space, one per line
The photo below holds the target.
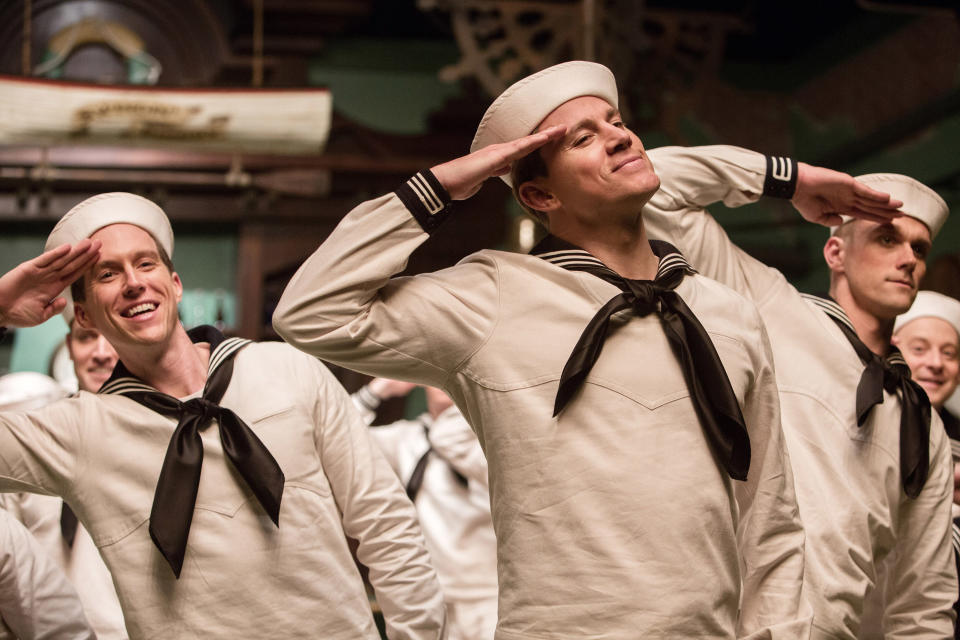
255,545
928,336
36,599
872,469
440,463
627,405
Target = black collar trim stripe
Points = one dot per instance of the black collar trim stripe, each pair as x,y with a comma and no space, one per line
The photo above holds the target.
122,381
836,312
830,308
572,258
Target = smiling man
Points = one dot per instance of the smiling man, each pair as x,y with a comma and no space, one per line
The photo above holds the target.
254,546
626,405
93,356
872,469
928,335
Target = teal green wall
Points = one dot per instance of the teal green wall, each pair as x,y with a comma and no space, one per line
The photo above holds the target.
384,85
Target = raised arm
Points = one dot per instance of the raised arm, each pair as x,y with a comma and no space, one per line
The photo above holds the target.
343,306
696,177
29,293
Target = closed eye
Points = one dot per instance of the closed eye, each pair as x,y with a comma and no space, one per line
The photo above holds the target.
581,140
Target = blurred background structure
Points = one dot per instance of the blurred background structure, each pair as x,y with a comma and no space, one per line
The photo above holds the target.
192,104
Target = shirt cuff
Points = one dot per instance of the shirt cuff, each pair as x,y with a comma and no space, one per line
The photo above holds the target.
781,180
426,199
366,398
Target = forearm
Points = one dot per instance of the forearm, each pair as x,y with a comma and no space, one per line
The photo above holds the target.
344,276
343,306
691,179
378,515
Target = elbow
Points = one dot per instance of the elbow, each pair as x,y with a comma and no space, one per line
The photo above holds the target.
286,319
281,324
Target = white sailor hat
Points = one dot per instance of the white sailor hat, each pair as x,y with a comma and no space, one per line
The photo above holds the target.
930,304
919,200
525,103
28,390
102,210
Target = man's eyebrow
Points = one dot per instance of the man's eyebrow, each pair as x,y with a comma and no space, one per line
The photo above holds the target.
111,262
612,113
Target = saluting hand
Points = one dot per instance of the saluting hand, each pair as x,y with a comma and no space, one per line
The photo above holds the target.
823,195
464,176
28,292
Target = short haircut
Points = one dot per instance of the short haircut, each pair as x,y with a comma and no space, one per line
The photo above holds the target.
527,168
79,293
845,229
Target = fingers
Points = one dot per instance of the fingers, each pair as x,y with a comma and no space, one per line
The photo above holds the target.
873,216
48,258
80,259
864,192
522,146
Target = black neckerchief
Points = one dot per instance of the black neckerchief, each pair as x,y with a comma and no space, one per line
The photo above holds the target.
892,373
176,492
713,397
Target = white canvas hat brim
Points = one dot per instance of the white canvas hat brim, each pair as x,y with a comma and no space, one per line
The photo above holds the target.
102,210
526,103
919,200
930,304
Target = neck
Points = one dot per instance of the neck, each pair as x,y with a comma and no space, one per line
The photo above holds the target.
177,369
873,331
625,249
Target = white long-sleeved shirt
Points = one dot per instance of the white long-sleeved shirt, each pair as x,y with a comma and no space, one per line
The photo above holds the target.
242,576
862,530
81,562
453,503
37,602
613,520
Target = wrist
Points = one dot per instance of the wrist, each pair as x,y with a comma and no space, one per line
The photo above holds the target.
426,199
781,179
368,398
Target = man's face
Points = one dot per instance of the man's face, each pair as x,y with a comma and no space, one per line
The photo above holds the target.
883,264
93,357
599,166
931,347
131,296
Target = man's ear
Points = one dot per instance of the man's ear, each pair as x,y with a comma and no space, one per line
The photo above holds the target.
537,197
80,316
177,285
834,253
